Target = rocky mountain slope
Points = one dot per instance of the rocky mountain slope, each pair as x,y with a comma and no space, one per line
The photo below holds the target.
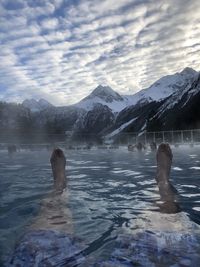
180,111
164,105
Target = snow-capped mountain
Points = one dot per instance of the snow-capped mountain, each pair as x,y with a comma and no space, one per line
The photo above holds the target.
35,105
165,87
106,96
158,91
170,103
105,93
178,110
189,91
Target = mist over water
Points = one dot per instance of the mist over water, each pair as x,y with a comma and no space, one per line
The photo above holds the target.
108,190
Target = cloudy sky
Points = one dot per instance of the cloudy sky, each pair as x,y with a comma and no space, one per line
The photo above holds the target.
62,49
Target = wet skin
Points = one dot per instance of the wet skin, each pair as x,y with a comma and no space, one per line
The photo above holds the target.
168,193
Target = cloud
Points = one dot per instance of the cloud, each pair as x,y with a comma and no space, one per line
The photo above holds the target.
61,50
49,24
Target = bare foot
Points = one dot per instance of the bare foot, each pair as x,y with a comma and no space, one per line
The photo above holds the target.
164,161
168,193
58,163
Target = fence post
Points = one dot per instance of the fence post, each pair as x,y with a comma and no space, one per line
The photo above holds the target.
163,137
136,138
120,140
182,141
145,137
154,136
192,137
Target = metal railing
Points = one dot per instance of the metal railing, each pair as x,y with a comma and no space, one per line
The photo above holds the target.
171,137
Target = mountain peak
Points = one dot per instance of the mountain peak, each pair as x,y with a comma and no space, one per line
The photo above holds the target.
102,88
44,102
188,71
36,105
105,93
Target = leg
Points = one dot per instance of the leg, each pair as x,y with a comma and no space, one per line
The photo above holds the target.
167,192
54,212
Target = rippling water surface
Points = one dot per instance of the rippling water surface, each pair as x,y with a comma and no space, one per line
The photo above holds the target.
109,190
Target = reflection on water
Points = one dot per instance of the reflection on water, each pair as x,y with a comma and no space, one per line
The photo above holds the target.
113,198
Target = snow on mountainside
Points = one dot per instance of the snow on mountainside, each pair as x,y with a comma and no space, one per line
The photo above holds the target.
189,91
105,93
170,84
106,96
35,105
94,121
165,87
158,91
157,99
121,128
179,111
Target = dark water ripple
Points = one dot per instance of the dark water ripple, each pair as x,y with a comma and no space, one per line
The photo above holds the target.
107,190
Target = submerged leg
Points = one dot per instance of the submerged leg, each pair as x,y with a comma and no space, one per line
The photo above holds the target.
48,241
167,192
54,213
58,163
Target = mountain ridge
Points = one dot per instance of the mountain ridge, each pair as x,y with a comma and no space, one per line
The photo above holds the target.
105,112
36,105
159,90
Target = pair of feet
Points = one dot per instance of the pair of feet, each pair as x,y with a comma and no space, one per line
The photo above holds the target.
164,161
